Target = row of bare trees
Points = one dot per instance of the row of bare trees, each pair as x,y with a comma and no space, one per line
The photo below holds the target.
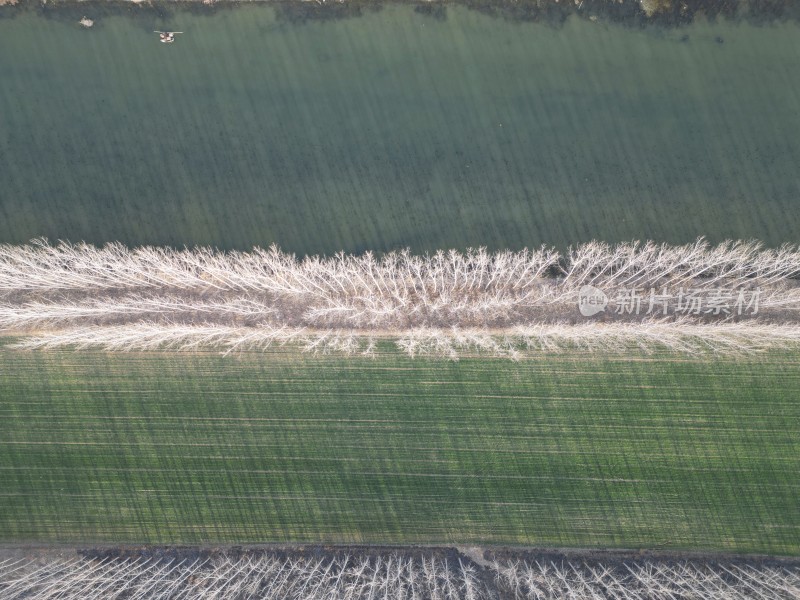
735,338
390,577
402,275
445,304
262,576
645,580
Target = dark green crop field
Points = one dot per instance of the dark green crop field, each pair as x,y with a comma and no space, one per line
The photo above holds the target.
393,129
564,451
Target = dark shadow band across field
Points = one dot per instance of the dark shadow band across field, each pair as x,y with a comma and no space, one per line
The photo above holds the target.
562,451
630,13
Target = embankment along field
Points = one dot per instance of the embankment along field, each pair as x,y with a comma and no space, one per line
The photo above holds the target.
569,450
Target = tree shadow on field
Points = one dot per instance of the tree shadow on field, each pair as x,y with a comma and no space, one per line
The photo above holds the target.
298,13
143,14
436,11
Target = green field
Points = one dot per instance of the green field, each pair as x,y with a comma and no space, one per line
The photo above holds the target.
568,451
393,129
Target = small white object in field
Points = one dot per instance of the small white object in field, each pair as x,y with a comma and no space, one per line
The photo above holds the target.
86,22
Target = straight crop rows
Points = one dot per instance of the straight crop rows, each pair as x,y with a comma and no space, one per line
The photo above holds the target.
575,451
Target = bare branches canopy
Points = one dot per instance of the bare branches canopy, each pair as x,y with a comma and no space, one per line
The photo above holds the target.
501,303
425,576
